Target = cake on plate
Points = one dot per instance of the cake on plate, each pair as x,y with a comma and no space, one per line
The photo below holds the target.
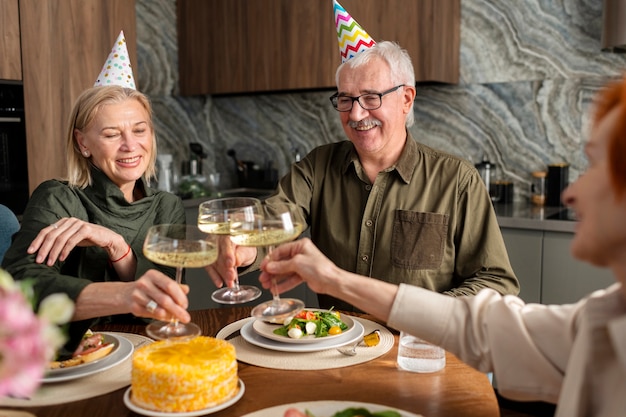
184,375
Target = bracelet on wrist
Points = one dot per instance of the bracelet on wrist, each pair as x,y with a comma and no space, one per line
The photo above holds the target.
121,257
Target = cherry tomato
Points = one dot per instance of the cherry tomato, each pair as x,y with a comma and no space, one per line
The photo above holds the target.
334,330
306,315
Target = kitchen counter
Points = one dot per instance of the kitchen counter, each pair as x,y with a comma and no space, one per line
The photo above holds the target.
259,193
530,217
515,215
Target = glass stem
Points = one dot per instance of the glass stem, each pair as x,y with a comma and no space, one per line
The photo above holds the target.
274,288
236,284
235,287
179,280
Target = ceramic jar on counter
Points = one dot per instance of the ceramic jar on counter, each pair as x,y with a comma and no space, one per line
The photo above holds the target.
538,188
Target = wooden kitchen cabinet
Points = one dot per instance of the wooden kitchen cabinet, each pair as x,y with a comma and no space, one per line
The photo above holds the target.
11,62
237,46
64,44
546,269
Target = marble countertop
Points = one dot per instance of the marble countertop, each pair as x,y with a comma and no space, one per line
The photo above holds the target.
530,217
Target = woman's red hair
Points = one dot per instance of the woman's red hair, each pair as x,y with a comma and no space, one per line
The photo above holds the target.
614,95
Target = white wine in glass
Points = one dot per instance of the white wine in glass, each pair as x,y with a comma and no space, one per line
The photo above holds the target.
280,223
178,246
215,217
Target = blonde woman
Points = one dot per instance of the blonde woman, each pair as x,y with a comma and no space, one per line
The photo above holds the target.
83,235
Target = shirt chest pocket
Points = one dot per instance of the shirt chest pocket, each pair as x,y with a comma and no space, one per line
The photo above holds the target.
418,239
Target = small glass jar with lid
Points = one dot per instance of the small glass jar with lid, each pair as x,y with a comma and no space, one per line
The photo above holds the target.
538,188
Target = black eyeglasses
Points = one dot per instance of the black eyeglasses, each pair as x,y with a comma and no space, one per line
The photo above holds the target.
369,101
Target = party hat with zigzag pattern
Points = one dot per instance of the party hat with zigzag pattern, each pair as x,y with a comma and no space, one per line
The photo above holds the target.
352,38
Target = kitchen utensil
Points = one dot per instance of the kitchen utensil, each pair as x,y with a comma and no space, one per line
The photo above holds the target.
502,191
488,173
370,339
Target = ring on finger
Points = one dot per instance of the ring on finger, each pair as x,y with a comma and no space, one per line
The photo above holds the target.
56,226
151,306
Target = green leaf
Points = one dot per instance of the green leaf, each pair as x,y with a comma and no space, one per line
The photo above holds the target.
352,412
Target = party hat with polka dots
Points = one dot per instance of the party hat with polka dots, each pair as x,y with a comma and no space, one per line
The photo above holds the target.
117,69
352,38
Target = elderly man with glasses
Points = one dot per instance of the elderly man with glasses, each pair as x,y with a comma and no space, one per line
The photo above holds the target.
382,205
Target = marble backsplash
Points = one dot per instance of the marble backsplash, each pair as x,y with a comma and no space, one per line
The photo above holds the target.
529,71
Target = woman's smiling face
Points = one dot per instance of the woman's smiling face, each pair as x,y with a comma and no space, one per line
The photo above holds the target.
119,142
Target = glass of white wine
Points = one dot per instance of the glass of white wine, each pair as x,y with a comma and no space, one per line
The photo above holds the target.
179,246
215,217
279,223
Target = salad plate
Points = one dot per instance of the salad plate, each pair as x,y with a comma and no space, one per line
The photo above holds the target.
139,410
124,348
251,336
266,330
327,408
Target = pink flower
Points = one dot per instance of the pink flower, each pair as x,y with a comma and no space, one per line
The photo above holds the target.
27,342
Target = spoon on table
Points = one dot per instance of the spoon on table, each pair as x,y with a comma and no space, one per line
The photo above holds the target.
370,339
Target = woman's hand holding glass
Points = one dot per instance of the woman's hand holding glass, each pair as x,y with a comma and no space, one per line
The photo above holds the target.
178,246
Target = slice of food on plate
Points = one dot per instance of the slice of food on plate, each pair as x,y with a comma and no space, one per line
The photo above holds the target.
92,347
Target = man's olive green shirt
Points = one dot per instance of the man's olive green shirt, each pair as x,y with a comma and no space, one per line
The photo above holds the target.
426,221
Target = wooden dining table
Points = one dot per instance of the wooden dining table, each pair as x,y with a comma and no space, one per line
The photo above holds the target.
456,391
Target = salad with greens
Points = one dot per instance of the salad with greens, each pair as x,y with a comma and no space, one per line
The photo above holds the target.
312,323
360,412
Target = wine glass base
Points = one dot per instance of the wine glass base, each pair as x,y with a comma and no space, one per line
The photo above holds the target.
161,330
277,310
244,294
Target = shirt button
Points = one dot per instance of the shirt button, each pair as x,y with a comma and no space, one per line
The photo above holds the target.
365,258
368,187
369,223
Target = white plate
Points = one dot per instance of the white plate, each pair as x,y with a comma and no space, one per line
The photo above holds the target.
325,408
139,410
124,350
266,330
251,336
107,339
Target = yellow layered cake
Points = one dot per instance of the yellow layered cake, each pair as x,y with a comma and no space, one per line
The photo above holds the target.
183,376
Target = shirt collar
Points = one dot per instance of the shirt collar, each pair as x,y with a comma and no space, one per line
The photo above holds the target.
104,189
404,166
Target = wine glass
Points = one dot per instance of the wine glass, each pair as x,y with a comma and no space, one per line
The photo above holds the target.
179,246
215,216
279,223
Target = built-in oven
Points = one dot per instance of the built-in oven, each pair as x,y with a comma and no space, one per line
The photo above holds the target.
13,162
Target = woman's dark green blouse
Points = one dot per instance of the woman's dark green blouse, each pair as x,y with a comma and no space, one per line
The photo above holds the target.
101,203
